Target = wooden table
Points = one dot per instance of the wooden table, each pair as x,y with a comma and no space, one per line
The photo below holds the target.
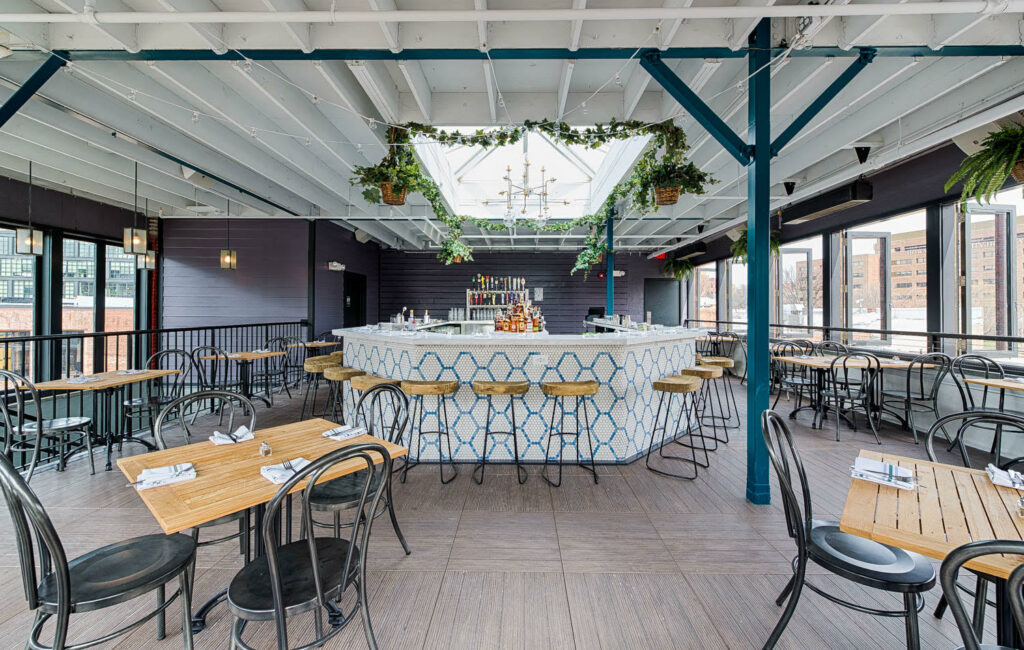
106,392
245,361
315,344
995,382
228,480
951,507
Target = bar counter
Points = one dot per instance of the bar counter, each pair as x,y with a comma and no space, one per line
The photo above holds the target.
624,364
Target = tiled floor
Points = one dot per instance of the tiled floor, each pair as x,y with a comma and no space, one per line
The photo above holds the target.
637,561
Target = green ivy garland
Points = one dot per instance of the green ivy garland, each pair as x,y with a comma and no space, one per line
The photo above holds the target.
401,169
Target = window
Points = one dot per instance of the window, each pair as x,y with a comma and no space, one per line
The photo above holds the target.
78,312
800,286
904,285
922,284
737,294
705,299
119,304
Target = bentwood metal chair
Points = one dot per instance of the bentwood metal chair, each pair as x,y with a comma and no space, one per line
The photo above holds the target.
23,414
383,410
791,377
213,373
857,559
948,578
102,578
921,393
849,386
827,348
273,375
312,574
163,390
980,398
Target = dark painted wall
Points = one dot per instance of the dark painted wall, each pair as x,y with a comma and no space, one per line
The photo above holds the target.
59,210
334,243
420,280
269,285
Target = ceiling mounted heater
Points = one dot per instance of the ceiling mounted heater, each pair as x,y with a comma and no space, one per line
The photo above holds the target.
692,250
858,192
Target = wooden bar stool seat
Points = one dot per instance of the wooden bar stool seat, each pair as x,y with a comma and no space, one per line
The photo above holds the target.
441,390
314,368
716,413
704,372
688,387
366,382
721,362
730,418
559,390
490,390
337,376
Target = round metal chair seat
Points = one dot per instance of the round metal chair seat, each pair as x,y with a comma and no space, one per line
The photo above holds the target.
868,562
501,387
250,595
569,388
439,387
366,382
341,373
58,424
852,393
152,400
677,384
342,492
704,372
902,394
799,381
120,572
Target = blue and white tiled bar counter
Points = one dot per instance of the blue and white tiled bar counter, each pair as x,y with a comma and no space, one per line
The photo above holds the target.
622,413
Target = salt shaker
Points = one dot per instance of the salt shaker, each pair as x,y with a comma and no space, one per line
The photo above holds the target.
265,449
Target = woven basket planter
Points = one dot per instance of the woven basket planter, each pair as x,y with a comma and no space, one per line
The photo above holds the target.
389,197
1018,171
666,195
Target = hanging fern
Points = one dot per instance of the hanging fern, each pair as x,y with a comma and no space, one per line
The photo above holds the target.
679,268
984,173
738,250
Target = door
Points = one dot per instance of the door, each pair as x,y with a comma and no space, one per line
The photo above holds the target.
661,298
354,300
868,283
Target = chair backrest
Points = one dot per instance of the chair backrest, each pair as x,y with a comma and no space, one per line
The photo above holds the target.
384,411
948,579
1003,422
368,504
218,401
788,466
279,344
787,349
976,366
806,345
213,373
831,347
170,359
327,336
31,521
926,372
852,375
20,404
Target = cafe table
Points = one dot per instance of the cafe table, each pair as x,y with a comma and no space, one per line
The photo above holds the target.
228,479
245,361
951,506
107,390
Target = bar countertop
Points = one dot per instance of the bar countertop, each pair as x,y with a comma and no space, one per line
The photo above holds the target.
533,339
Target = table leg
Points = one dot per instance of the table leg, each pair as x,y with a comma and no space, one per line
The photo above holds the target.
101,407
245,379
199,618
1007,634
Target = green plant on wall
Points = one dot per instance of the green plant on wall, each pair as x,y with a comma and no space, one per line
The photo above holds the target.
738,249
401,169
678,268
985,172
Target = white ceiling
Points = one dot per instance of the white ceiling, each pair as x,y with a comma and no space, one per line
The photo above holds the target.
289,132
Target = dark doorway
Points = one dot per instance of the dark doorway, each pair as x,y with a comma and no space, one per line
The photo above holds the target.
354,300
661,298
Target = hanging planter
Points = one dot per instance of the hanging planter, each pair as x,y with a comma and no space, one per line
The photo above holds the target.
389,196
985,172
666,195
665,180
738,249
1018,171
678,268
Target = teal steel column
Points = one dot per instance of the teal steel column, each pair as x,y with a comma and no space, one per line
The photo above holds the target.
758,263
609,276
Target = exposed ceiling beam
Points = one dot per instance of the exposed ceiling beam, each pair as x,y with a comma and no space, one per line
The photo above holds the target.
947,28
669,29
855,30
125,35
351,98
418,86
379,87
740,28
563,87
211,33
492,91
299,32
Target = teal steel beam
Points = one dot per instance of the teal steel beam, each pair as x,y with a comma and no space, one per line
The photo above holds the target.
673,85
52,64
609,278
758,254
867,55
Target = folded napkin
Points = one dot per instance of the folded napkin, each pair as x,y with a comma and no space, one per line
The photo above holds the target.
1005,477
803,356
82,380
234,355
279,473
1016,380
344,432
157,476
131,372
241,434
876,471
261,351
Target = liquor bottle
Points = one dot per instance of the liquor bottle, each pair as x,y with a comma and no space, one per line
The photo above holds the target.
497,321
505,323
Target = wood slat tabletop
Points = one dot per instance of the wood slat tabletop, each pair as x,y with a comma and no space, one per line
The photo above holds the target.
995,382
951,506
243,356
823,363
228,478
110,379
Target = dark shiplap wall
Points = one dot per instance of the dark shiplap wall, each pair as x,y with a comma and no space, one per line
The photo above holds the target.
420,280
59,210
269,285
334,243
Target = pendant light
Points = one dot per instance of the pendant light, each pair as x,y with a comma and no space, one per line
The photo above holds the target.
228,256
135,238
29,241
147,261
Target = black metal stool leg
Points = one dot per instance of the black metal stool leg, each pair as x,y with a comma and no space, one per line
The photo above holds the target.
483,456
590,437
521,473
561,443
442,406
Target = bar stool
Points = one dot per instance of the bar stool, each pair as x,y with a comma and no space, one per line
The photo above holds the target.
314,368
708,374
683,386
559,390
441,389
732,410
337,377
490,389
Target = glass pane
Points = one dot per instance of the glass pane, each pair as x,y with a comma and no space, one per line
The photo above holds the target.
797,309
78,306
119,306
706,305
738,296
17,300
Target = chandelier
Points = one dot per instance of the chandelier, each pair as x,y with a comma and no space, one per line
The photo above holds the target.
522,198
